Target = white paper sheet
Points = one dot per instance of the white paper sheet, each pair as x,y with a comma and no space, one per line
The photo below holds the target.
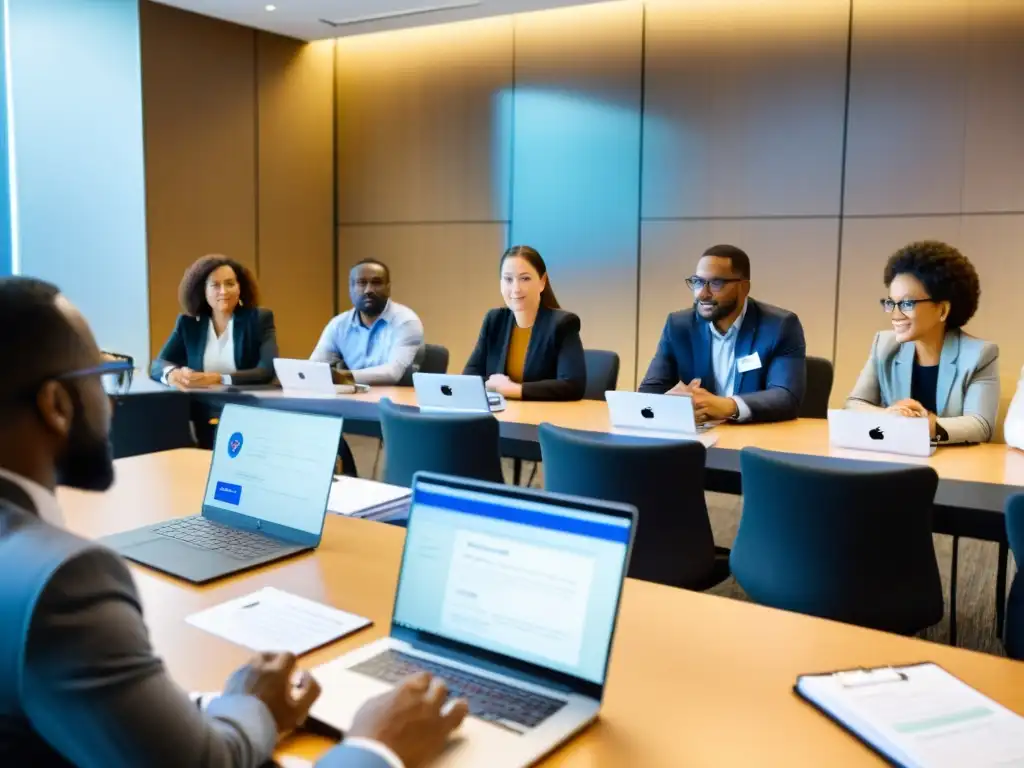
272,620
354,496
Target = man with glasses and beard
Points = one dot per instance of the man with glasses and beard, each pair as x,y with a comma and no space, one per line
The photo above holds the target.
80,684
739,359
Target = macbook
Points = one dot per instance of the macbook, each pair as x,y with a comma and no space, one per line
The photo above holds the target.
511,596
266,498
307,378
448,392
665,416
879,431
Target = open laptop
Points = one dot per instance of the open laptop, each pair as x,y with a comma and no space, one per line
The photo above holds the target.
266,498
511,596
668,417
882,432
449,392
307,378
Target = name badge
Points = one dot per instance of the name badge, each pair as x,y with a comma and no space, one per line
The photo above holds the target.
748,363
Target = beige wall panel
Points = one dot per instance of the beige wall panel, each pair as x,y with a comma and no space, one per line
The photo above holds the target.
908,84
994,163
792,265
867,245
296,187
424,124
576,163
447,273
995,244
744,104
199,108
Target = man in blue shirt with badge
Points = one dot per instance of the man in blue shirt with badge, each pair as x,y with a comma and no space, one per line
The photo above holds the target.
378,339
739,359
375,342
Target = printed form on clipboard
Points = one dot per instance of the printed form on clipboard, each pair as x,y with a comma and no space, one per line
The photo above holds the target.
919,716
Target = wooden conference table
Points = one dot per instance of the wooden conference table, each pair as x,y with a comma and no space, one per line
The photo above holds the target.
695,680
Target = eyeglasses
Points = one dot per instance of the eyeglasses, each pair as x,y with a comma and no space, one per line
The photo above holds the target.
696,284
907,306
115,375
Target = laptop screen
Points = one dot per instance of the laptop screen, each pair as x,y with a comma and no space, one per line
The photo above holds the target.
538,582
274,466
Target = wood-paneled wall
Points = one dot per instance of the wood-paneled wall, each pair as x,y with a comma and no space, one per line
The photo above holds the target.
239,160
624,138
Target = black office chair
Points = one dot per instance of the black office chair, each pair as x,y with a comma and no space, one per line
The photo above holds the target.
663,479
150,422
1013,627
818,390
465,445
840,539
602,372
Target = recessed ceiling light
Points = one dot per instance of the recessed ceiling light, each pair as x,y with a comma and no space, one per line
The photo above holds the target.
271,7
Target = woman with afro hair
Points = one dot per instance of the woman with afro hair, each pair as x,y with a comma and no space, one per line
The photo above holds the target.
927,366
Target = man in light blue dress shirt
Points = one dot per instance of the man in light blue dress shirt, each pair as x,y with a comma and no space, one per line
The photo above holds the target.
378,339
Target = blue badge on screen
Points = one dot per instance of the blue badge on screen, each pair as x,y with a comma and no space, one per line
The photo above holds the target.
235,444
229,493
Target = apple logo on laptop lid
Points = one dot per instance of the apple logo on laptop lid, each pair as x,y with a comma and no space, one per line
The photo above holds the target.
876,434
446,390
647,413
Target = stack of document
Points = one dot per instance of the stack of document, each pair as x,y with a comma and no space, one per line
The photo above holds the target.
919,716
368,499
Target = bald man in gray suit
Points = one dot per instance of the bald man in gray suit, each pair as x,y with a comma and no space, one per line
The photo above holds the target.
80,684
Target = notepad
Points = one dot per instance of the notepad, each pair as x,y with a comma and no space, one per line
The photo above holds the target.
356,497
273,620
919,716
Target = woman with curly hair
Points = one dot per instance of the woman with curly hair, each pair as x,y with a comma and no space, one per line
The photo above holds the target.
223,337
926,366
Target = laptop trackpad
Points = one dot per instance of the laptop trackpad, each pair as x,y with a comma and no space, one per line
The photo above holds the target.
179,558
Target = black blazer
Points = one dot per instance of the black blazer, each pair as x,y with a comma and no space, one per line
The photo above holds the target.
555,368
255,340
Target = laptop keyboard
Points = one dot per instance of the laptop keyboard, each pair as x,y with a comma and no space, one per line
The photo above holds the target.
200,532
515,708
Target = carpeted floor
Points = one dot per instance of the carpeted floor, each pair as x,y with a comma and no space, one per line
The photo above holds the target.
976,625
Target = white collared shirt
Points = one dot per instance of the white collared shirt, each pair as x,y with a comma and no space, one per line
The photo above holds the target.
44,501
723,363
219,356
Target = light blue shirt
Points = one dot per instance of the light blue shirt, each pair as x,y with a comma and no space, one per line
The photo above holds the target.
723,363
380,354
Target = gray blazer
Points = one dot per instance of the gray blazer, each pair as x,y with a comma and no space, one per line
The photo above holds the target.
79,682
968,390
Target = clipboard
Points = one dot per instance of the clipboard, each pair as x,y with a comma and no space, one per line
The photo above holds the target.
932,718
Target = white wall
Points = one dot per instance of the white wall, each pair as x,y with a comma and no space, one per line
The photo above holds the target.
76,96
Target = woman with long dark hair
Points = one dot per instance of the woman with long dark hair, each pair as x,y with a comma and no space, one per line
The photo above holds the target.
530,349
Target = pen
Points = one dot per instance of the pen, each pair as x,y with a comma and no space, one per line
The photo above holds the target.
252,604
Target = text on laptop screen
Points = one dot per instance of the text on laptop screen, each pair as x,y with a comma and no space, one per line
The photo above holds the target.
534,581
275,466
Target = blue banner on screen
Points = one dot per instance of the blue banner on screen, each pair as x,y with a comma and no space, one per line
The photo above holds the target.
229,493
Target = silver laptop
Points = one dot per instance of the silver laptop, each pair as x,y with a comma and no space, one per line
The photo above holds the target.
266,498
449,392
309,379
511,596
664,416
877,431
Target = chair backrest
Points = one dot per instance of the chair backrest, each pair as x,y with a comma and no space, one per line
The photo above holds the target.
839,539
465,445
818,390
435,359
602,372
1013,628
150,422
663,479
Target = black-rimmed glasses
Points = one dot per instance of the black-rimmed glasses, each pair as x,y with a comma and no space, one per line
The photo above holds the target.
115,375
716,284
907,306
